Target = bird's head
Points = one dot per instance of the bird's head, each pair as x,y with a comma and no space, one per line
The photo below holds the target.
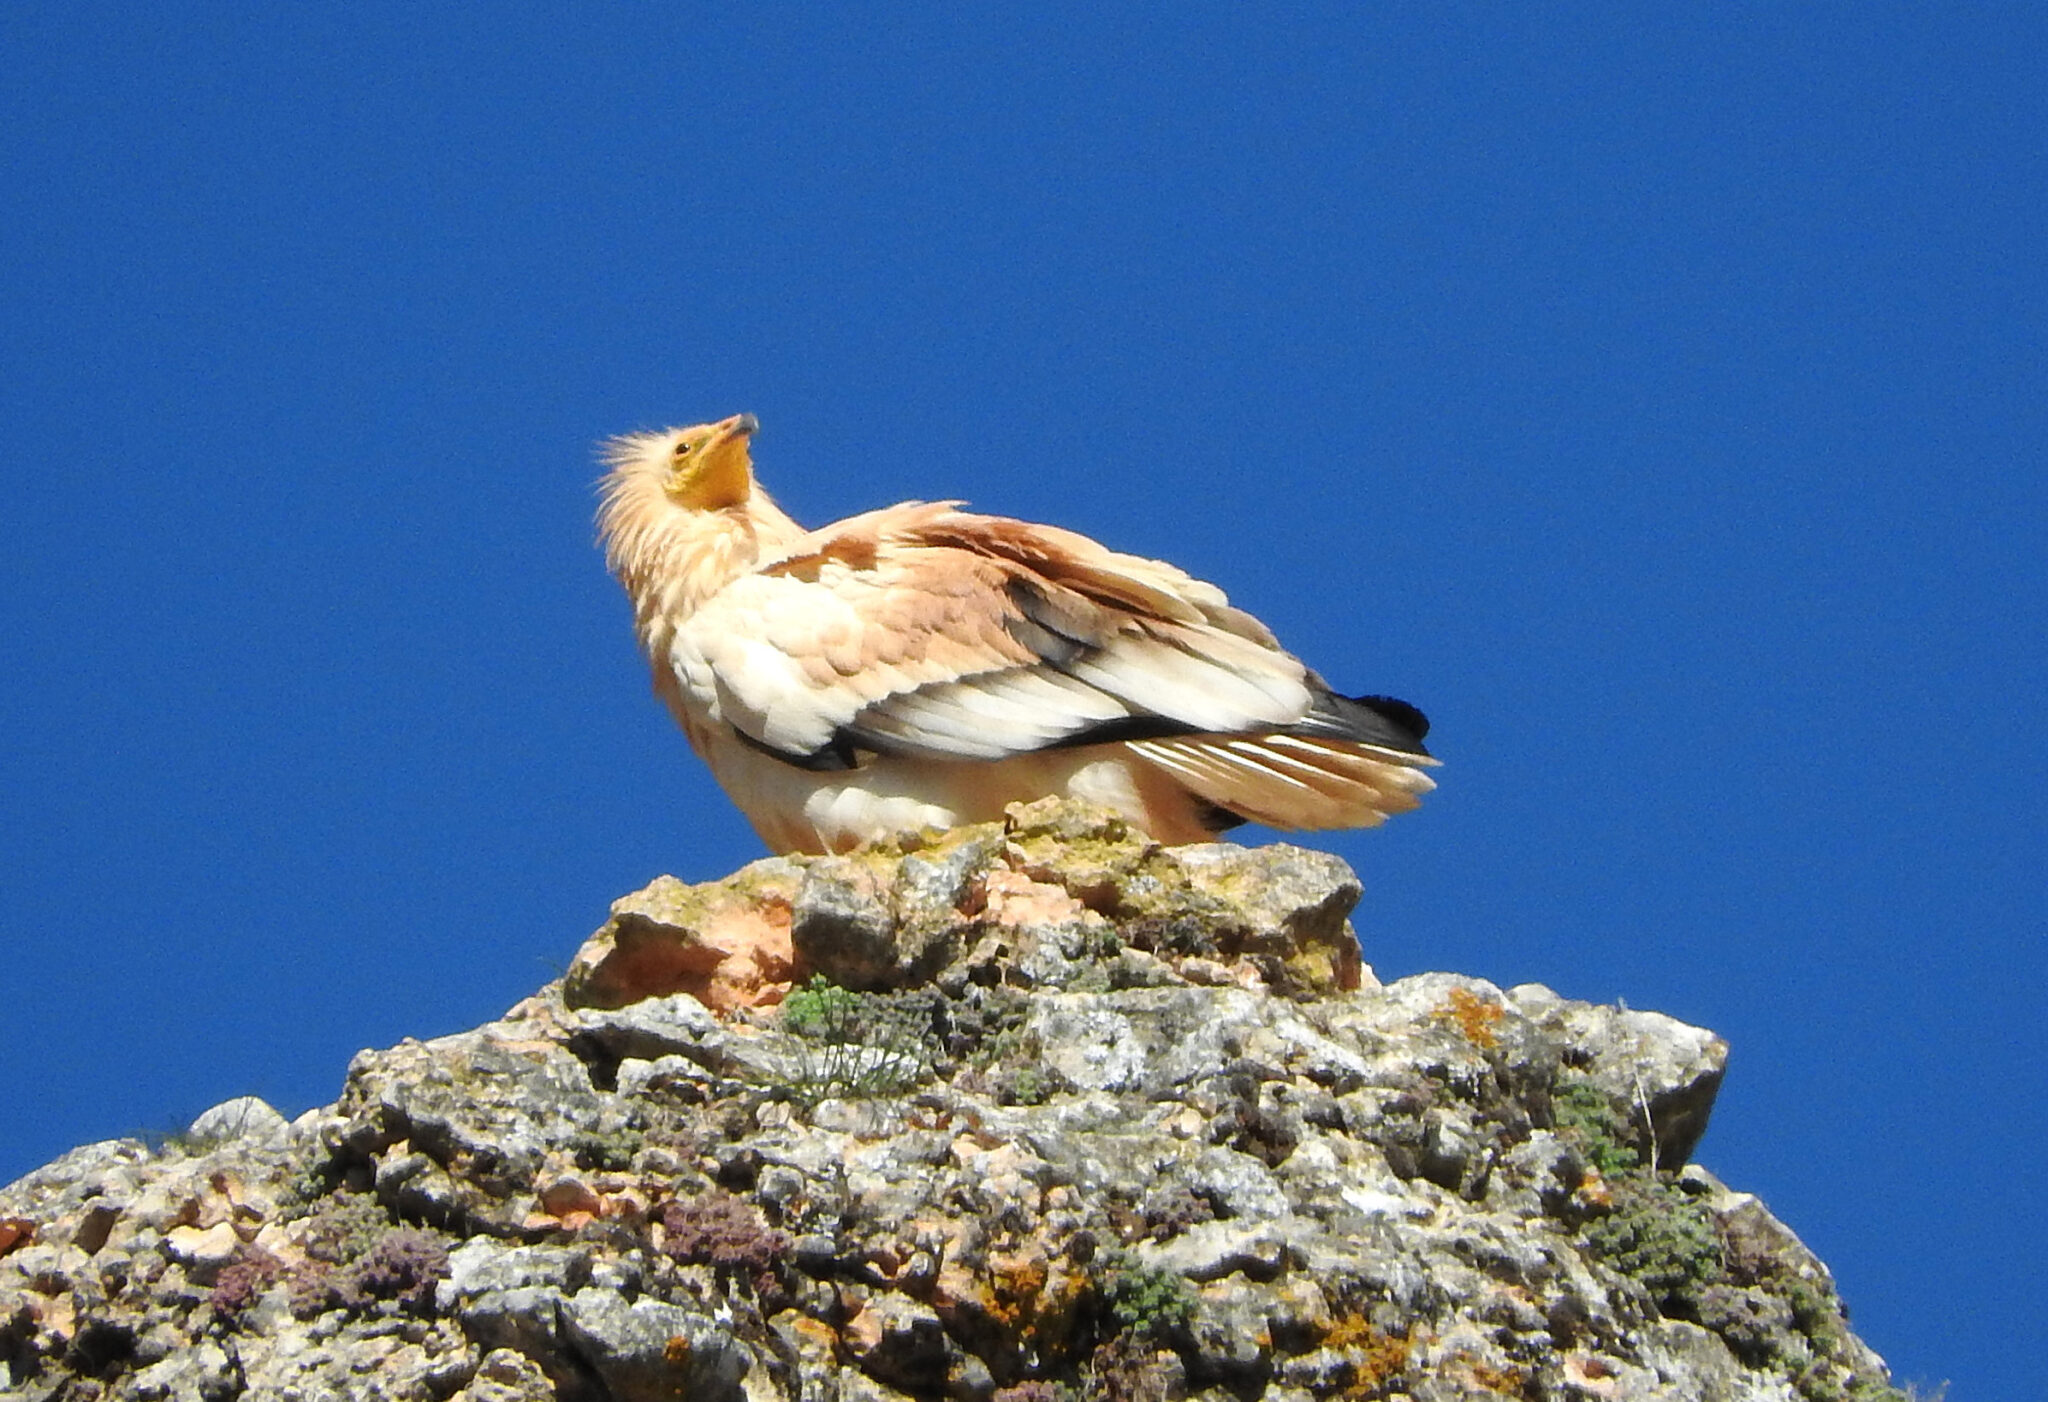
703,468
709,466
681,517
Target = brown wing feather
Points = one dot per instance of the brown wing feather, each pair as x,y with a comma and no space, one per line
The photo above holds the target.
1289,782
891,630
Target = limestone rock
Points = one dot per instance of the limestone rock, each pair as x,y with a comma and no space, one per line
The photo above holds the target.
1071,1110
646,1350
244,1117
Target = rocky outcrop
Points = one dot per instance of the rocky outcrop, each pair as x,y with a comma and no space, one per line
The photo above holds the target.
1039,1110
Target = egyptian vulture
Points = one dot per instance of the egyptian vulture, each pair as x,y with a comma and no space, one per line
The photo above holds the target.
922,666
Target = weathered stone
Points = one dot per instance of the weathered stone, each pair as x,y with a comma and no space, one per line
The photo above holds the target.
1090,853
388,1365
525,1318
504,1375
245,1117
677,1025
1141,1040
648,1351
1664,1071
1232,1334
1150,1141
1213,1250
1288,908
201,1371
844,926
936,887
483,1264
870,921
899,1341
202,1248
492,1104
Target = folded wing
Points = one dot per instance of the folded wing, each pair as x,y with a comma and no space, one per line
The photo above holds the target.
927,631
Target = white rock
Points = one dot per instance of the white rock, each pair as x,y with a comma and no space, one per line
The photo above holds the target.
244,1117
207,1248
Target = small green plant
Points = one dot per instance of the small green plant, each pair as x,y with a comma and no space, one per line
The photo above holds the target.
822,1011
1584,1115
311,1184
1816,1383
852,1044
1662,1238
1776,1311
1146,1302
343,1228
1030,1085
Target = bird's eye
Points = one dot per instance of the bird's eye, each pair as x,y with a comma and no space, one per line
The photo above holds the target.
682,450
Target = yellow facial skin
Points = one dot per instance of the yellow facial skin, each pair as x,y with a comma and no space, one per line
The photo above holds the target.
711,467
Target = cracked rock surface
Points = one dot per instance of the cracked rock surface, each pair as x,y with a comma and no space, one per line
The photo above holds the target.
1036,1111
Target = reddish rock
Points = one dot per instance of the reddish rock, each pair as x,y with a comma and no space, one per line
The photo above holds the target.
726,944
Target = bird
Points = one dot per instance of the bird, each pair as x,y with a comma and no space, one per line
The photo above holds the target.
922,666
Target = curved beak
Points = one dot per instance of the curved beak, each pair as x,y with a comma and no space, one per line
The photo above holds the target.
725,475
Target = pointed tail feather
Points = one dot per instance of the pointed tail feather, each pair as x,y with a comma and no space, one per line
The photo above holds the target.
1294,781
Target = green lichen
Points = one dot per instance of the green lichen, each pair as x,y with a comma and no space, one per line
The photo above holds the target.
1095,856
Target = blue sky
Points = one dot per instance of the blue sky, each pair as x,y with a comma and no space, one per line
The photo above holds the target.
1657,402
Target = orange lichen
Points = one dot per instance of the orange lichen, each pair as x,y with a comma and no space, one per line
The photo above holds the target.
1376,1357
1593,1194
1472,1015
1025,1298
1490,1377
1016,1285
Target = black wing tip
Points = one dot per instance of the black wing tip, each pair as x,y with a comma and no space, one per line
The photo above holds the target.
1398,714
1218,819
1372,720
